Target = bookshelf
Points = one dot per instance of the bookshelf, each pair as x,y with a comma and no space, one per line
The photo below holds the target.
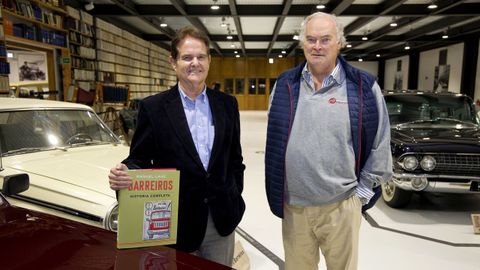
35,21
125,59
4,65
81,44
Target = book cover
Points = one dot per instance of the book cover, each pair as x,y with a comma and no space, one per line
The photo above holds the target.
148,209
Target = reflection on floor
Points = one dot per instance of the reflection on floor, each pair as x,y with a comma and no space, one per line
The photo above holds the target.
434,232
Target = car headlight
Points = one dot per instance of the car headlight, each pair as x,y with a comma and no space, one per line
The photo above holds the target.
428,163
410,163
111,220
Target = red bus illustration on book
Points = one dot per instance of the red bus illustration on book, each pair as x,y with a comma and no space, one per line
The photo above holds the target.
158,219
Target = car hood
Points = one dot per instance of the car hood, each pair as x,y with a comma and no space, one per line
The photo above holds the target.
83,167
32,240
436,135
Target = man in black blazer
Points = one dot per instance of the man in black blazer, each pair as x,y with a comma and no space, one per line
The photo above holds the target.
196,130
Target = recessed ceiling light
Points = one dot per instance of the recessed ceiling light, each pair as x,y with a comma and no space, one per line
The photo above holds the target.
295,37
270,60
360,60
378,55
445,36
280,56
215,6
229,37
237,56
320,7
163,25
432,6
284,52
393,24
364,38
407,47
349,45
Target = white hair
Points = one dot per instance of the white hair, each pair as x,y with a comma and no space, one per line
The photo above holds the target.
338,25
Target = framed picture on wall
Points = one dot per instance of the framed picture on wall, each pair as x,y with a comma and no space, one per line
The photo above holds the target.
32,66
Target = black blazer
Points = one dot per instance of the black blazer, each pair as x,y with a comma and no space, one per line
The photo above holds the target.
162,139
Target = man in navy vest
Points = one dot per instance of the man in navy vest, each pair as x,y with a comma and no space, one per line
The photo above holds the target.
328,150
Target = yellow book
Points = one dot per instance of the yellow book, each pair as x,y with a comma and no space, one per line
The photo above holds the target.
148,209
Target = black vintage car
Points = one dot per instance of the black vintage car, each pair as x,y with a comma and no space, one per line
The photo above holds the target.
435,141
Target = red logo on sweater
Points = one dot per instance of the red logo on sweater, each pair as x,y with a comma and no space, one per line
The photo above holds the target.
332,100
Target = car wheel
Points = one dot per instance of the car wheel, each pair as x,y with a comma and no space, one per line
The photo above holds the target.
394,196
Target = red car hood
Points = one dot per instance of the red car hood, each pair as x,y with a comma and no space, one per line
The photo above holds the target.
32,240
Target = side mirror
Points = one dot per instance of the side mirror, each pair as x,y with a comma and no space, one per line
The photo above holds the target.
16,183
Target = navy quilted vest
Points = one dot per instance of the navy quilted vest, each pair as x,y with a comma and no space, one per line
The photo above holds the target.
363,122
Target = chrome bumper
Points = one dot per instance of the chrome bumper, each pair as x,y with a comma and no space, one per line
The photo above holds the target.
404,181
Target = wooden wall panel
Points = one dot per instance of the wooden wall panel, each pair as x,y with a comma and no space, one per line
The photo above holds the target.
245,68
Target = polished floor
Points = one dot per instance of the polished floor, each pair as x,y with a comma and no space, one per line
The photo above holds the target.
434,232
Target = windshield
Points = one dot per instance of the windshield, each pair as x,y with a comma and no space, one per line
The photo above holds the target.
417,109
38,130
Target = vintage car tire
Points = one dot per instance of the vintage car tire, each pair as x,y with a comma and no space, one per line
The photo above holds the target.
394,196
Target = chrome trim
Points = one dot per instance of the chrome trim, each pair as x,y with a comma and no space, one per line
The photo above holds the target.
59,208
403,181
412,175
107,218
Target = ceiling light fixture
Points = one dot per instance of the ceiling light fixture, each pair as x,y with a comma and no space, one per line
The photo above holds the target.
365,35
445,34
295,37
432,5
270,60
284,52
349,45
89,6
360,60
407,46
378,55
238,55
215,6
280,56
163,23
229,37
394,23
321,5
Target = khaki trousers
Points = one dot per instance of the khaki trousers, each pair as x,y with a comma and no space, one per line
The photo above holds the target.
333,228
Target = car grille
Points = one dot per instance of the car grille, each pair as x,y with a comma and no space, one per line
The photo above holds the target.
457,164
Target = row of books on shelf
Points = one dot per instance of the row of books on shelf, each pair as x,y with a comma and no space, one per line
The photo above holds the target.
4,67
82,51
3,50
73,24
33,11
78,38
35,33
115,93
80,74
4,85
82,63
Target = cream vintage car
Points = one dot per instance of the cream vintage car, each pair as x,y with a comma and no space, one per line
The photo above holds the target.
67,151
